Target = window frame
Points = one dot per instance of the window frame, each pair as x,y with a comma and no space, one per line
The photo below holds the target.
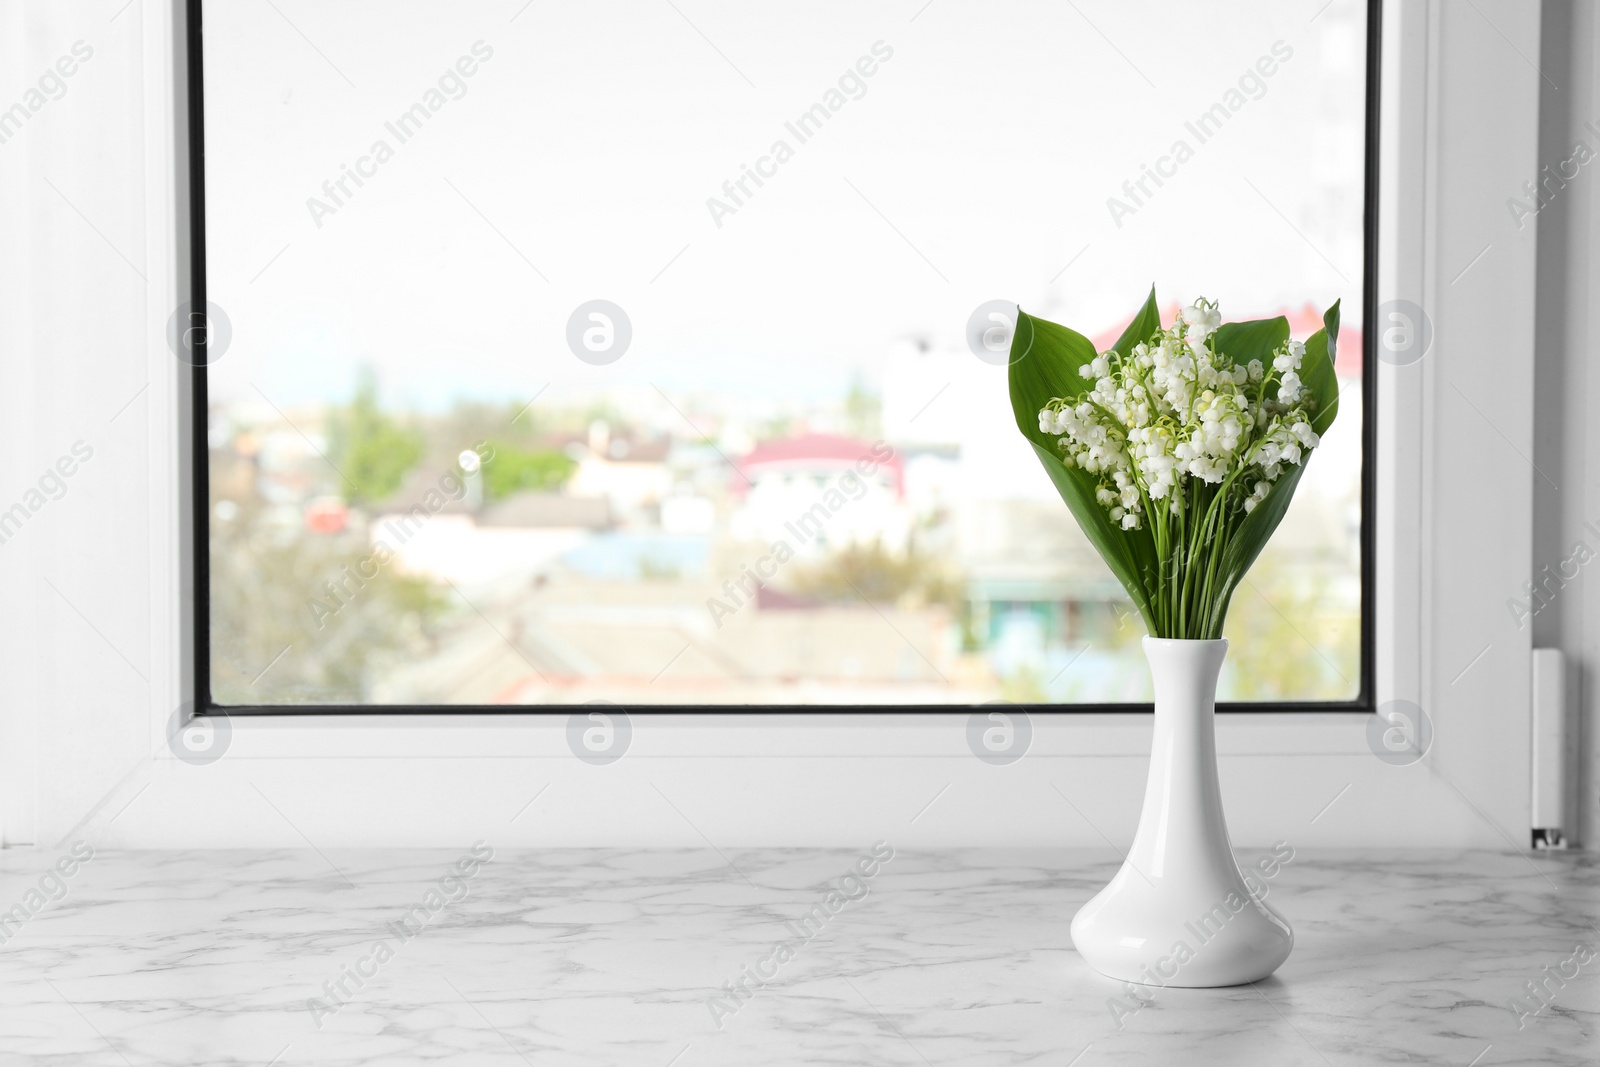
87,748
198,473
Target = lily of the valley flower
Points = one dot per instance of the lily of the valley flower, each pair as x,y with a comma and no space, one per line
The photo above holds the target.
1173,410
1202,318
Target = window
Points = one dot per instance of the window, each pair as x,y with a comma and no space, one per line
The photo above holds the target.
570,353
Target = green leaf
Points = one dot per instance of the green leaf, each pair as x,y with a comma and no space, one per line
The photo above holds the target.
1143,326
1130,554
1045,362
1316,370
1256,339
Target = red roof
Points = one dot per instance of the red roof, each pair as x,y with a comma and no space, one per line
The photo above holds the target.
817,451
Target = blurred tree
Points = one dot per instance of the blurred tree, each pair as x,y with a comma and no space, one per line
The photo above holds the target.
514,469
862,411
471,421
1024,685
369,448
871,571
295,620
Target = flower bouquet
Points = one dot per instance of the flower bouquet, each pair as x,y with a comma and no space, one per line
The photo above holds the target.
1178,450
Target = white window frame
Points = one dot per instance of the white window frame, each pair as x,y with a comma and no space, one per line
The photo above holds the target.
1459,133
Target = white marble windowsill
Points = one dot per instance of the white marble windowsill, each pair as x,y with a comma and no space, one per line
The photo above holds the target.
611,957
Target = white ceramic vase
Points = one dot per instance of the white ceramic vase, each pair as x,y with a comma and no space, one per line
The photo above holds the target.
1179,913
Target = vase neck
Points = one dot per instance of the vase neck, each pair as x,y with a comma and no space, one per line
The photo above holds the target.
1184,677
1183,799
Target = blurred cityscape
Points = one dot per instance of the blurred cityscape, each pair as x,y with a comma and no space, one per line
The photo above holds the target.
649,548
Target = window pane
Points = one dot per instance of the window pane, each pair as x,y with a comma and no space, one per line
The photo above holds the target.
620,351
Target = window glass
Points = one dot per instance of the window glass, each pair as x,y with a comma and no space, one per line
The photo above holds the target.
634,351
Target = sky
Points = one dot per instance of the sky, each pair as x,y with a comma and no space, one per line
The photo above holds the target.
577,160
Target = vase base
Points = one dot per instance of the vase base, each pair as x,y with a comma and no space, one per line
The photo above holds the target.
1163,932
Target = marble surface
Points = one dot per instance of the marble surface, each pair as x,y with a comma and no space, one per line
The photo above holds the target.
617,957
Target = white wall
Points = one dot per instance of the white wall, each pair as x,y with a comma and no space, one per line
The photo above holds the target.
91,661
